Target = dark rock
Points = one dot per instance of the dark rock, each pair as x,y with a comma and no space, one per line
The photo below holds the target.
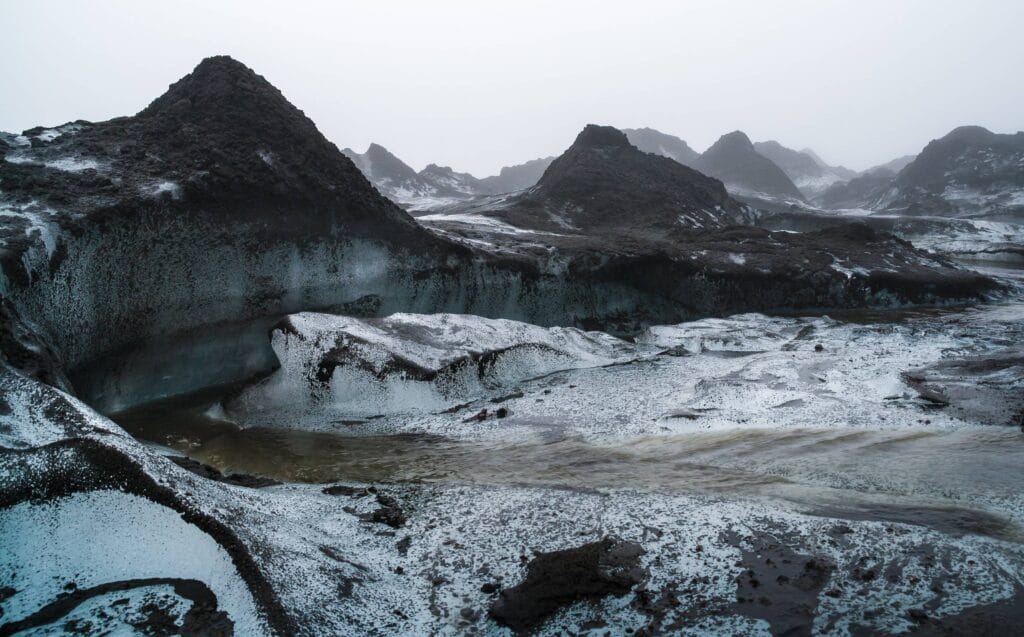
778,584
557,579
389,513
341,489
403,545
211,473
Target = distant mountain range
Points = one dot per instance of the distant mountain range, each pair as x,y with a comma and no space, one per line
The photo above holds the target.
652,141
398,181
970,171
805,168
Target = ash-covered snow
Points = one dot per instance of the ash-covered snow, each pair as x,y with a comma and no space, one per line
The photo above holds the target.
481,221
67,164
34,220
157,189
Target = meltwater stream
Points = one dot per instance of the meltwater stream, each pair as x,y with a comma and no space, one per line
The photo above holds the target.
957,481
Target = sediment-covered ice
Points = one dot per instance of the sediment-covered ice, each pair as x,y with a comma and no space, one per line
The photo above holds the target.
746,371
334,366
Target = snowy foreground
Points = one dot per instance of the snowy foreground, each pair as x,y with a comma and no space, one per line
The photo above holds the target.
747,475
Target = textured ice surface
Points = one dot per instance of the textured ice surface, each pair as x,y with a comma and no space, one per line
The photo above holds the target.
335,366
745,371
461,538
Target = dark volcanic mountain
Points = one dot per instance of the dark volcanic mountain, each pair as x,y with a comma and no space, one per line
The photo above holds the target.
970,171
658,224
808,173
747,173
603,183
220,137
652,141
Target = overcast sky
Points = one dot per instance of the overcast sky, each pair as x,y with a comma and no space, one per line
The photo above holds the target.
479,85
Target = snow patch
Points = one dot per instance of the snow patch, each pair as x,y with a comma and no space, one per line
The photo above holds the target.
105,536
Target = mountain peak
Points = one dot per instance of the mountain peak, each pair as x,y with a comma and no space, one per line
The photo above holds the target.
969,134
220,88
621,189
375,151
735,139
594,136
735,160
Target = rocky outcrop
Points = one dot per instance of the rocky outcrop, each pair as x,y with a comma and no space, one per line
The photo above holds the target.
652,141
746,173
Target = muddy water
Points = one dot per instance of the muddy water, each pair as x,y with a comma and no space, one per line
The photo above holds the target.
961,481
